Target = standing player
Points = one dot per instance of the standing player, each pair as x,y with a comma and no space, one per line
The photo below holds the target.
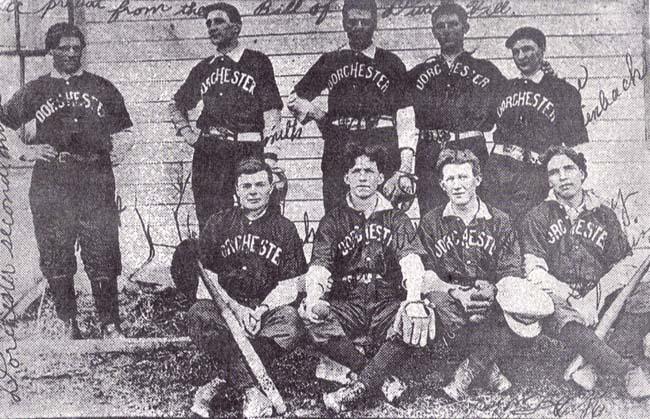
365,88
257,255
364,277
72,193
470,247
573,246
453,95
534,111
240,102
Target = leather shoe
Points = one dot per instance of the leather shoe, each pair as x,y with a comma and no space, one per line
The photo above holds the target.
71,329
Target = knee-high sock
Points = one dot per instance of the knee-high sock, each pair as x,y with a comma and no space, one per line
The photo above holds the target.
577,336
390,355
342,350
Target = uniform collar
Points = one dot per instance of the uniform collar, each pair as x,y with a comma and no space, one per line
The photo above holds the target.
590,202
483,211
369,52
56,75
234,54
383,204
535,77
451,59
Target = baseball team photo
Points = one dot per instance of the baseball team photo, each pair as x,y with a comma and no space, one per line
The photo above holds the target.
325,208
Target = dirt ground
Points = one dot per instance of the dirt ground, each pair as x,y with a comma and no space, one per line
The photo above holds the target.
162,383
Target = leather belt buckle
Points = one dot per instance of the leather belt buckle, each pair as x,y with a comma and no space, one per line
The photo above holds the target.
221,133
65,157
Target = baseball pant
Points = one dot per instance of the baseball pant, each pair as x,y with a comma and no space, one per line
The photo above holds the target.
332,164
280,333
430,194
213,173
513,186
358,317
75,203
486,341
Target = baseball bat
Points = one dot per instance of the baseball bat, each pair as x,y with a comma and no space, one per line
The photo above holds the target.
611,314
251,358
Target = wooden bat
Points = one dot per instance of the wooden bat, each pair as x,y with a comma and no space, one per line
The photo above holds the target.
611,314
251,358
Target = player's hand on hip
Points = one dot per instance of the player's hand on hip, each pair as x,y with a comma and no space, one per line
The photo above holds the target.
416,322
43,152
190,136
255,320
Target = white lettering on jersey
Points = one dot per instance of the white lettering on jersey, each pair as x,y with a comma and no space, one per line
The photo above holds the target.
69,99
529,99
251,244
460,69
371,232
225,75
358,70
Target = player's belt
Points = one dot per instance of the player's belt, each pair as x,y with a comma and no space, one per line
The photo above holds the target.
65,157
221,133
371,122
517,153
443,136
364,278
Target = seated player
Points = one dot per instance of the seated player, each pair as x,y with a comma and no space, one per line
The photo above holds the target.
575,249
470,247
257,256
364,279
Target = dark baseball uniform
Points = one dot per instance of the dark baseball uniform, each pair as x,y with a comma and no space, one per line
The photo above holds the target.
457,98
577,252
363,257
250,259
532,116
73,197
486,249
364,94
236,90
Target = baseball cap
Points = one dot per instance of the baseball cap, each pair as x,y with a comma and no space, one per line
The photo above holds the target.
527,32
523,305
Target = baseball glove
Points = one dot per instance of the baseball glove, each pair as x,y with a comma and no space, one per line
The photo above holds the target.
184,268
482,291
415,321
400,189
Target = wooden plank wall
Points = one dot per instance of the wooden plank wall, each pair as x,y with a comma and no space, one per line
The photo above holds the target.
148,52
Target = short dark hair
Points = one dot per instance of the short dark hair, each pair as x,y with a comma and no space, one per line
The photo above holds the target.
450,9
369,5
353,151
251,165
450,156
229,9
527,32
58,31
557,150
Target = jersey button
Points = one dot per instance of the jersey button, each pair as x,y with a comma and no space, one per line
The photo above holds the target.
221,94
469,262
368,259
244,268
76,120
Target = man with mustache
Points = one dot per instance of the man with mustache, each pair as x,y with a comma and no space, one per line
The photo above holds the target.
365,89
241,111
534,111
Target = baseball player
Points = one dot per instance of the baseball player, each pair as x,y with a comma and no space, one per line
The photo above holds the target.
533,112
365,88
240,116
364,279
470,246
256,255
574,249
452,95
72,193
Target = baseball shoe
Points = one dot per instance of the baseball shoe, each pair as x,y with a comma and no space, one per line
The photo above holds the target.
344,398
203,397
330,370
495,381
112,331
256,404
71,329
586,377
464,376
637,383
393,389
